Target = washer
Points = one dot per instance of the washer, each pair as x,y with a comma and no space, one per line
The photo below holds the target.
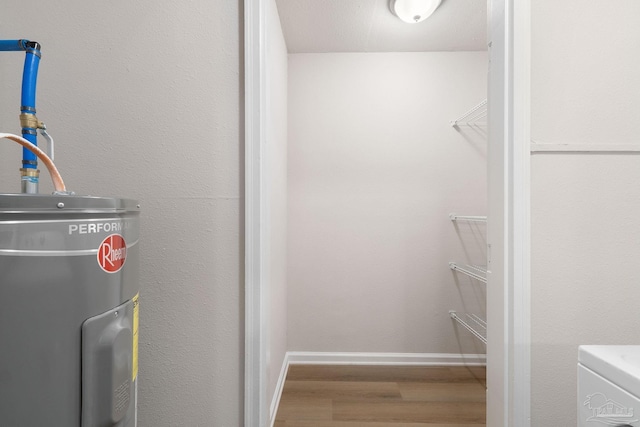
609,385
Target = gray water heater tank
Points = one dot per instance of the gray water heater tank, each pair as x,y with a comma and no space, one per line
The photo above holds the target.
69,294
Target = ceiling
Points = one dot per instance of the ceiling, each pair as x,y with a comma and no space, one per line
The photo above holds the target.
316,26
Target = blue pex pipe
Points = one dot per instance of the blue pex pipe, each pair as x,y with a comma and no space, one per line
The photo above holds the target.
12,45
28,120
28,100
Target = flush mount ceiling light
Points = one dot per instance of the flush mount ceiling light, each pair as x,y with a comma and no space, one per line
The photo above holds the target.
413,11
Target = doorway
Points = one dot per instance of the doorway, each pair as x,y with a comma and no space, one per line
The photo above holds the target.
508,292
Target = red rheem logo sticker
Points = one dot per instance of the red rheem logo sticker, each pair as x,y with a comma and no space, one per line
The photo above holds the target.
112,253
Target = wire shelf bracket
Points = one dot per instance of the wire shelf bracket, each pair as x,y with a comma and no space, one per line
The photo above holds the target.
472,116
472,323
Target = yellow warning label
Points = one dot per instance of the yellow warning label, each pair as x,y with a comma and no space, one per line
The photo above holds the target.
136,311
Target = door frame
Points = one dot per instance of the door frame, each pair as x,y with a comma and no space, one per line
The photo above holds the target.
509,346
509,251
256,406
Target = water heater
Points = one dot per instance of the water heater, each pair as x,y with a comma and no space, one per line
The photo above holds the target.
68,311
69,292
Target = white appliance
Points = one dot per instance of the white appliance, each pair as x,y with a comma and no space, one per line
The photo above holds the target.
609,385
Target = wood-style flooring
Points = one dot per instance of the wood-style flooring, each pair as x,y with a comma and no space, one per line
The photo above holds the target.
382,396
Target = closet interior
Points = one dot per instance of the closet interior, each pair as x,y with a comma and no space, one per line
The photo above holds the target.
385,193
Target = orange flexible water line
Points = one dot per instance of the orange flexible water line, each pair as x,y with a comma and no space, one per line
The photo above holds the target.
58,183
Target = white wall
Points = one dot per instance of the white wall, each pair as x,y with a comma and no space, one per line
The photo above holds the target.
585,206
144,102
276,172
374,171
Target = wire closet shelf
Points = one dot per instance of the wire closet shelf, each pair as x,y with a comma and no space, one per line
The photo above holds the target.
471,117
472,323
477,272
456,217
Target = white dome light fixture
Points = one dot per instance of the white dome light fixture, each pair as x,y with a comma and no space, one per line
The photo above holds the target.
413,11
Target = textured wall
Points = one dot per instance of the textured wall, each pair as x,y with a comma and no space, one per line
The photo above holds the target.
144,101
584,207
374,171
276,171
585,253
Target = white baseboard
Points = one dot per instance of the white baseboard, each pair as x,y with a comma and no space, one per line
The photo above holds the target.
399,359
277,394
422,359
